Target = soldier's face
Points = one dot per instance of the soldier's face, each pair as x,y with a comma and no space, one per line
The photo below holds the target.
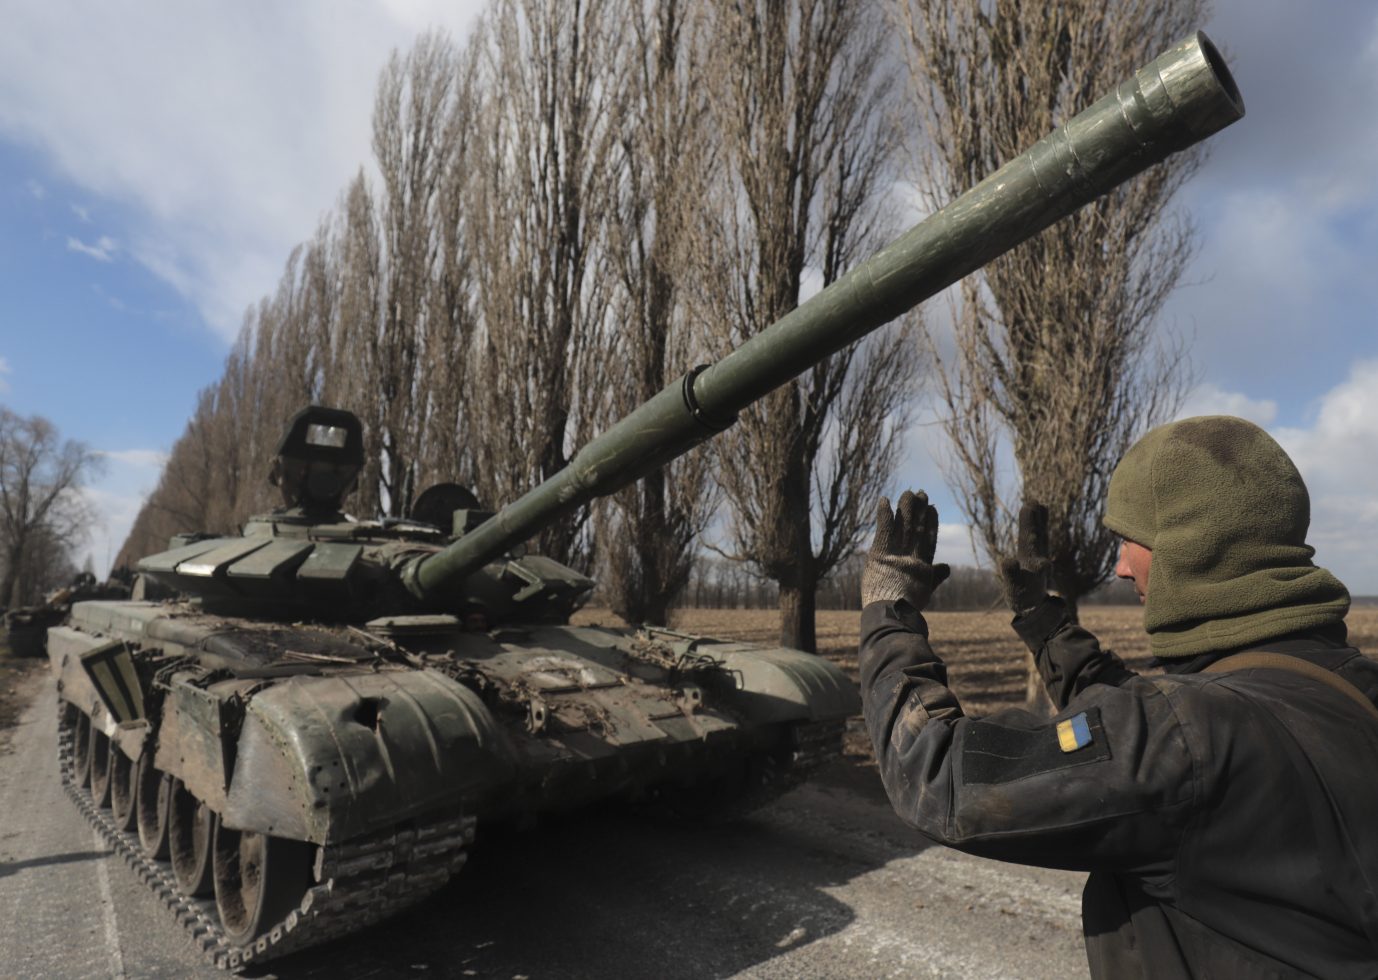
1133,564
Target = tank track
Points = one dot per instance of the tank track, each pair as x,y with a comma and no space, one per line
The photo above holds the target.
767,779
815,743
362,881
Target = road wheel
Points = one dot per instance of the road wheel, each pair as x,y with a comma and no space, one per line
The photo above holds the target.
190,827
152,797
121,789
68,723
258,880
81,749
100,767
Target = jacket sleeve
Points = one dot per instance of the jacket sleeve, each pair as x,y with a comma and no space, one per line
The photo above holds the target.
1069,658
1108,784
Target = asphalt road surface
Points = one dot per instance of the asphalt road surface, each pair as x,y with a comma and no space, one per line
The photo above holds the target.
825,883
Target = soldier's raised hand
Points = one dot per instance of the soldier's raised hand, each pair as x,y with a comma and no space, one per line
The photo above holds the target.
1025,577
900,562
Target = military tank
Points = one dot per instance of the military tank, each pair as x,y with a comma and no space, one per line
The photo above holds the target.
27,626
302,745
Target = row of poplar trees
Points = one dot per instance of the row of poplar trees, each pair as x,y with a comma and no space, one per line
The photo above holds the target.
584,200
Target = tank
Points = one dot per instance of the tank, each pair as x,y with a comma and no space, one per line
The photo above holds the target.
27,626
304,741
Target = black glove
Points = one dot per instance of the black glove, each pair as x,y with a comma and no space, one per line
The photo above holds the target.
1025,578
900,563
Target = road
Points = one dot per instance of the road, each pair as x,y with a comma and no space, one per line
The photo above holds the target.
825,883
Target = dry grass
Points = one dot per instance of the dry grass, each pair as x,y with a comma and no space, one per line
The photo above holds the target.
986,660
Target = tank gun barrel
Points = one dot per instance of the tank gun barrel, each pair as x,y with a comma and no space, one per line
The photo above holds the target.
1178,99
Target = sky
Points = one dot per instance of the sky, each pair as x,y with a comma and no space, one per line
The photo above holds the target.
159,162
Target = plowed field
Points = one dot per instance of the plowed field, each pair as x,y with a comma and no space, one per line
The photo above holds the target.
987,663
986,660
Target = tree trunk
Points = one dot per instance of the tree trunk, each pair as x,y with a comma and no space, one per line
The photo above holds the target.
12,589
798,600
8,599
794,569
653,534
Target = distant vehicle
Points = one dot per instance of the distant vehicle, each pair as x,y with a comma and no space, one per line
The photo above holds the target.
27,626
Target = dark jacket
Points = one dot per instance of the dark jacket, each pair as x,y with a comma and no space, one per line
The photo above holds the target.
1229,821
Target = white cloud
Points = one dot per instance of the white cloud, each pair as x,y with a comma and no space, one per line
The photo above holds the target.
81,212
103,251
1306,72
956,546
4,370
1285,207
1275,283
1335,453
112,301
225,130
36,189
1336,456
130,475
149,458
1209,399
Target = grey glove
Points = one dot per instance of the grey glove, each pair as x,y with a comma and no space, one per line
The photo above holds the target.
900,562
1025,578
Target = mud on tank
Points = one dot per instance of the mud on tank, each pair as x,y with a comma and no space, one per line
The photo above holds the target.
304,746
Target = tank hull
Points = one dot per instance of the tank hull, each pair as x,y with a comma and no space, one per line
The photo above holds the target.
347,739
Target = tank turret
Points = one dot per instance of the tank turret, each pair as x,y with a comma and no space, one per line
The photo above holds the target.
318,462
308,743
309,559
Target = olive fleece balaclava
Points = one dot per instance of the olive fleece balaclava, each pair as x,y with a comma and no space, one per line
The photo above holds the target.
1225,513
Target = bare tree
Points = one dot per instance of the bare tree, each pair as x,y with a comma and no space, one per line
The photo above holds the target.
352,381
48,564
413,133
543,178
801,91
41,507
647,531
1055,358
451,321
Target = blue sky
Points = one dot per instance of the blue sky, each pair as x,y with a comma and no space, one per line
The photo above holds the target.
155,171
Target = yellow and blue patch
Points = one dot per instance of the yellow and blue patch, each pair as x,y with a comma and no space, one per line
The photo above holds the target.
996,752
1074,733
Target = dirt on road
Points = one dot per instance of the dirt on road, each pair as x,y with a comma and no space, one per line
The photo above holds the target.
17,686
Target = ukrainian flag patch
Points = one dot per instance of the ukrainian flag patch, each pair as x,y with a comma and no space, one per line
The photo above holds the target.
1074,733
997,753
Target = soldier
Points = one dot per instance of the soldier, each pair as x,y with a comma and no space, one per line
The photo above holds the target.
1225,809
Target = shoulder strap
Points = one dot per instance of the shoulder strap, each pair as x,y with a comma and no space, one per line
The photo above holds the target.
1323,805
1280,661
